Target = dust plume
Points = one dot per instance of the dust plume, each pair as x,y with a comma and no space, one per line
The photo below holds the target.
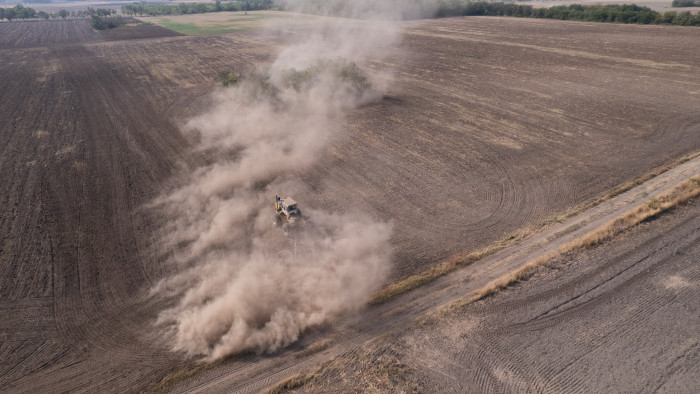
241,285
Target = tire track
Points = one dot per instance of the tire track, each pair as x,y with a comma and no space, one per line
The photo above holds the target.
623,327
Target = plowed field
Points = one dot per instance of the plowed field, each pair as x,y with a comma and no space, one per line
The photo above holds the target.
45,33
490,125
589,323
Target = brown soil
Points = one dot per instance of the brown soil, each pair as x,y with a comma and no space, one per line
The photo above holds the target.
538,116
80,154
491,125
45,33
361,344
587,323
136,31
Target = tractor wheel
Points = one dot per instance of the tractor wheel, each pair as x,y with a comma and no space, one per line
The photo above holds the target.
277,220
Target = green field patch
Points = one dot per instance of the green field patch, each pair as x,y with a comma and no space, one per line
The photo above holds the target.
229,22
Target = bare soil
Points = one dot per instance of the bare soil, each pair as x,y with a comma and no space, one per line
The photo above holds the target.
136,31
45,33
360,349
498,124
623,317
490,125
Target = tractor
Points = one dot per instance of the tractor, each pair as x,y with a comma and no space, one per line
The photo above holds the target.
287,214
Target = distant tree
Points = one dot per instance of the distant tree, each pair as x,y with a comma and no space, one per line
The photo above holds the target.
227,79
99,23
200,8
685,3
218,6
42,15
29,13
2,13
63,13
10,14
684,19
23,12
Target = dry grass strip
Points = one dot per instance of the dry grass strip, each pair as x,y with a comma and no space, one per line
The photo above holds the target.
172,379
680,194
452,264
290,383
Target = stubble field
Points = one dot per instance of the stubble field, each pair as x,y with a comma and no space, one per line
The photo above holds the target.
490,125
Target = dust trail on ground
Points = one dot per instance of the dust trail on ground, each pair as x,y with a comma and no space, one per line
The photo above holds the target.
234,291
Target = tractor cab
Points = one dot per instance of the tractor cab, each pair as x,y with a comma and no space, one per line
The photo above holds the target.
286,214
287,206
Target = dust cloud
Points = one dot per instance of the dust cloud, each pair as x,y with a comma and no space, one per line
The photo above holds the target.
241,285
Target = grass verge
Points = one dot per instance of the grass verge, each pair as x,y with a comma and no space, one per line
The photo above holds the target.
464,259
452,264
680,194
173,378
290,383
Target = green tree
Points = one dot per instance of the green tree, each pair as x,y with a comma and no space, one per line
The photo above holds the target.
63,13
200,8
26,13
10,14
684,3
43,15
684,19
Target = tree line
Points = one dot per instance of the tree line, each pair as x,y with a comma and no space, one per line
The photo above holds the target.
685,3
104,18
419,9
194,8
21,12
620,13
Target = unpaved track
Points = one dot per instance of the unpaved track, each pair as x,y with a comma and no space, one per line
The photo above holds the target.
254,373
490,125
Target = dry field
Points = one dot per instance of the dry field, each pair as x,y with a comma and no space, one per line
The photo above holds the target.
45,33
490,125
623,317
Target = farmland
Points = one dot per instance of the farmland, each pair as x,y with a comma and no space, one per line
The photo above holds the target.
228,22
490,125
547,334
33,34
